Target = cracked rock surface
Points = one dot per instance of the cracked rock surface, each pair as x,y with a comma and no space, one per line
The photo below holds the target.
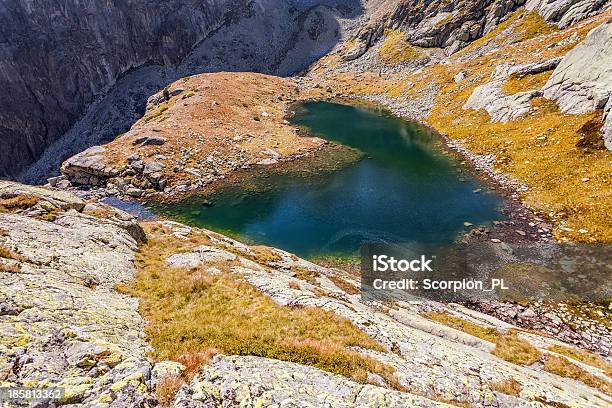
62,323
257,381
583,80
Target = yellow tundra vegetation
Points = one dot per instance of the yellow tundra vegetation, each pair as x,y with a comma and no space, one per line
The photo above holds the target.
567,184
190,312
396,49
565,368
586,357
508,346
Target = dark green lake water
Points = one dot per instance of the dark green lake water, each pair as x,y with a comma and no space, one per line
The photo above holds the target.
405,189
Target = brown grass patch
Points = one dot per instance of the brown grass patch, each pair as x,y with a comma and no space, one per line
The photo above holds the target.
306,275
584,356
561,366
485,333
10,267
189,311
511,348
19,202
194,360
509,387
166,389
4,233
10,254
508,346
344,285
263,255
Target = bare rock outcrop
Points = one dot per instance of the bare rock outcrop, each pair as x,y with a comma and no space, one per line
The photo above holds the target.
451,25
566,12
583,80
62,322
232,381
499,105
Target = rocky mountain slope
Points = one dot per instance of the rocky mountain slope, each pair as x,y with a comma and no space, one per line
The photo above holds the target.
527,102
66,320
59,58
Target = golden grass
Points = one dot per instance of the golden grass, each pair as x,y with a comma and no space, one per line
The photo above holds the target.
532,25
485,333
190,311
516,84
4,233
344,285
511,348
13,265
509,387
561,366
396,49
10,267
584,356
19,202
263,255
8,253
508,346
103,212
306,275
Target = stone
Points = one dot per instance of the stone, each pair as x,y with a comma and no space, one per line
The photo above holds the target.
149,140
566,12
459,77
502,107
138,166
283,384
89,167
75,330
54,181
135,192
200,255
59,199
583,80
152,167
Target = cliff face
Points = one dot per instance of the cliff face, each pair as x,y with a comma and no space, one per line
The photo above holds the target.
57,58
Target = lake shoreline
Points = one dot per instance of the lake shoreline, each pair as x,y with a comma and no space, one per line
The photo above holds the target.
522,225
